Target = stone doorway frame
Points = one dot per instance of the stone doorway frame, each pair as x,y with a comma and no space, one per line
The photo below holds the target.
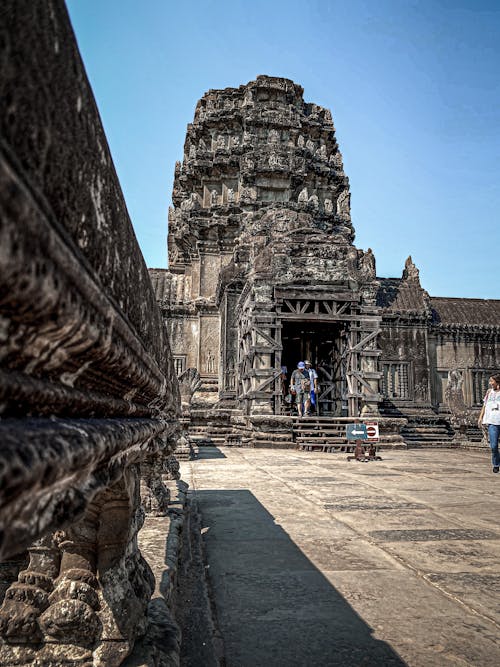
261,317
326,345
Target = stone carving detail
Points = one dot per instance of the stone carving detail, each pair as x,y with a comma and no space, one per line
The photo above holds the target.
274,160
194,202
410,271
300,141
248,163
210,364
336,160
368,265
321,153
155,495
248,193
421,390
303,196
274,136
328,204
189,382
313,201
88,391
462,416
230,378
344,205
172,468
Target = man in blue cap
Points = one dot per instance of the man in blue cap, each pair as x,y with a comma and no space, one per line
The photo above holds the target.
301,385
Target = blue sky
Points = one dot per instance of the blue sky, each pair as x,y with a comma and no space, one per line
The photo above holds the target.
413,87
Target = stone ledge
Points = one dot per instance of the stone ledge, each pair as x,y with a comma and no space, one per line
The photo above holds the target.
160,541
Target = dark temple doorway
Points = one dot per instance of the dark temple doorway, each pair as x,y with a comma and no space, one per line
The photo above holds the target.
323,344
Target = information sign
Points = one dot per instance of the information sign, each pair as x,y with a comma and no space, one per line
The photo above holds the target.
356,432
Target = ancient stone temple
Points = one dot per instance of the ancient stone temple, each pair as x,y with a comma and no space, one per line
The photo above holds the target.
263,272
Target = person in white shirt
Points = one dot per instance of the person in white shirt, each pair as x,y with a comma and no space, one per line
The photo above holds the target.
490,417
313,376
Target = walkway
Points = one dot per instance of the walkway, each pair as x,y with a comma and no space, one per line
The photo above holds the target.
314,561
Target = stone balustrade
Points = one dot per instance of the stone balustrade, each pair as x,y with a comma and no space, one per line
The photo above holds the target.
88,392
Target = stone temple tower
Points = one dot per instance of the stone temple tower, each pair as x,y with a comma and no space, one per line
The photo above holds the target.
263,270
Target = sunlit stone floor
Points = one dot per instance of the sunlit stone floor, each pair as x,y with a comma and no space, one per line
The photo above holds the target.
314,560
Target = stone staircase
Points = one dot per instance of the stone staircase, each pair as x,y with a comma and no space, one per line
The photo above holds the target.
432,430
325,434
428,432
209,429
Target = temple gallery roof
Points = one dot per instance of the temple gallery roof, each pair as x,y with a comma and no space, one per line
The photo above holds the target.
397,295
465,311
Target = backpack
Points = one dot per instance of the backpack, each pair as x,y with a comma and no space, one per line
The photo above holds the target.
305,384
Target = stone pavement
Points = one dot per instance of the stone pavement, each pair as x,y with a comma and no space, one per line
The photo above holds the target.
316,561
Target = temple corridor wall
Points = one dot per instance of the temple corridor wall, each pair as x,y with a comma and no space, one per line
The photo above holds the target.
89,397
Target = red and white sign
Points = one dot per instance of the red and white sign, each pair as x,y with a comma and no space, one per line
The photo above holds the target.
372,431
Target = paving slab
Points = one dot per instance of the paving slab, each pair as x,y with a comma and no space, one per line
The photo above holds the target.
316,561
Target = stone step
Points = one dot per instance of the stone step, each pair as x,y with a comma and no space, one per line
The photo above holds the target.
425,430
434,444
273,444
319,429
427,436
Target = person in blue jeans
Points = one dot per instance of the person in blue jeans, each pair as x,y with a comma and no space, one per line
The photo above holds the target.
490,417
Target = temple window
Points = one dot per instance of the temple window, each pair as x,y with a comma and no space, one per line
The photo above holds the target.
480,380
179,363
395,379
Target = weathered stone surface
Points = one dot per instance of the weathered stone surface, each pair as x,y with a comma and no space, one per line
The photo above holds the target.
88,391
431,535
296,584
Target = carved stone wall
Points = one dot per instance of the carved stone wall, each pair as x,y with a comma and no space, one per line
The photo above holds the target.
426,340
88,391
475,354
260,201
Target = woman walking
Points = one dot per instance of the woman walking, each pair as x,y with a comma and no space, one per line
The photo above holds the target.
490,417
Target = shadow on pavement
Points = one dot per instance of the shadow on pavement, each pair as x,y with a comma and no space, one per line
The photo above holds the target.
210,453
274,607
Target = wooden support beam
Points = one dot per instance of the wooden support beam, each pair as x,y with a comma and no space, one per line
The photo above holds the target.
343,308
364,341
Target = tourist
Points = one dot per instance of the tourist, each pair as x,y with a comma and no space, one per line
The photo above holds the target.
301,387
313,378
490,417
